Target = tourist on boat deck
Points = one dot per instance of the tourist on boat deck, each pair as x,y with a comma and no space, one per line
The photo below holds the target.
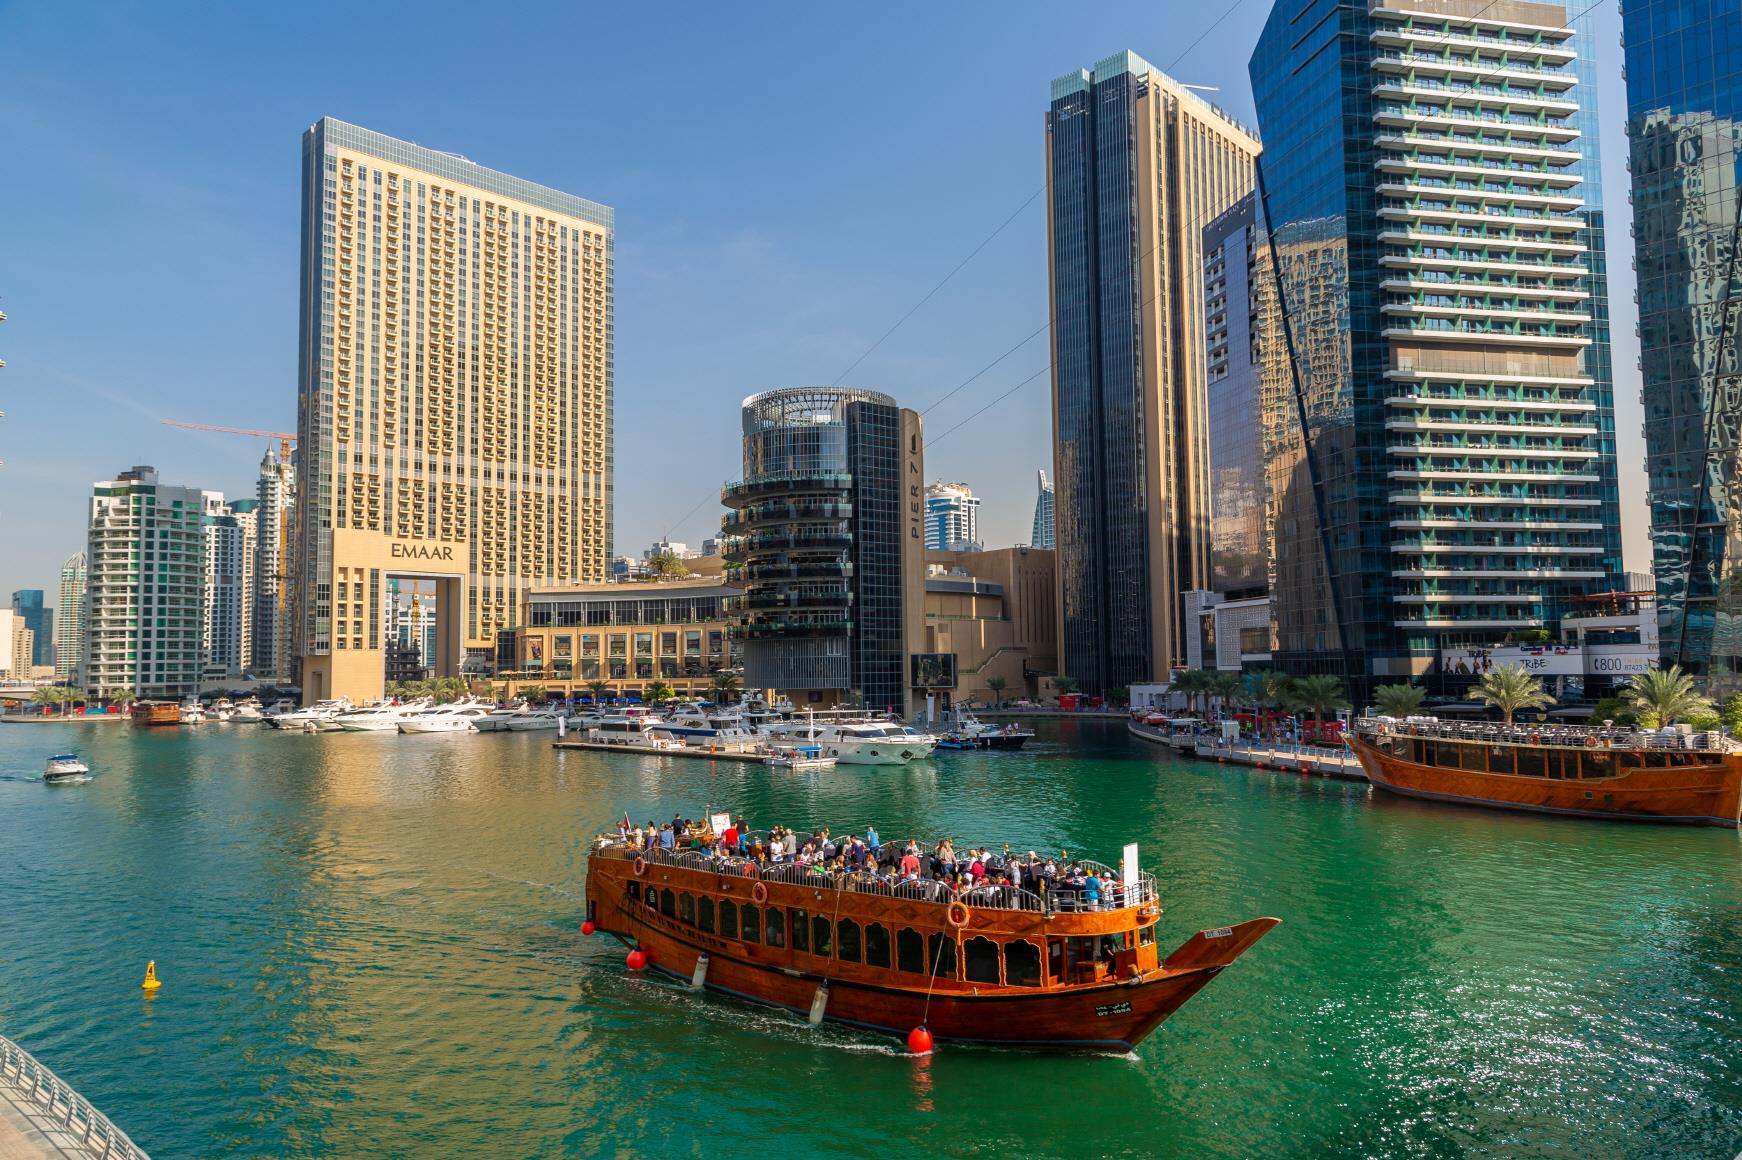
743,837
871,839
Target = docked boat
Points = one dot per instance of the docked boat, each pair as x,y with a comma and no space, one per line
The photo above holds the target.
320,713
247,712
66,767
1674,776
534,719
709,726
856,742
193,714
1011,736
638,728
382,717
156,713
800,758
498,720
994,965
459,717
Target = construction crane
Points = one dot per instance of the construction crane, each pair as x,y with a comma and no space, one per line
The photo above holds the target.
285,438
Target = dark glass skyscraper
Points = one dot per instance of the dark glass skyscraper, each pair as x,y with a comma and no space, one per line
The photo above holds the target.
1428,181
1684,95
1136,167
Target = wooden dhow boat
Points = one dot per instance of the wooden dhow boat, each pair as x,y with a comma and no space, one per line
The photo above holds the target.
1673,776
994,965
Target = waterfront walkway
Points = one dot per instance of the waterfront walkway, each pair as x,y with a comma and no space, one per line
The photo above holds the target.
1315,760
41,1118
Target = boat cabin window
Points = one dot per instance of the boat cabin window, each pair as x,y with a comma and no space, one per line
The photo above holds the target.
668,903
705,913
686,908
910,951
1055,959
1531,763
1655,759
1599,764
728,918
980,960
1446,755
1021,964
652,898
822,940
801,931
750,927
941,955
635,890
876,944
848,948
1146,936
776,930
1500,758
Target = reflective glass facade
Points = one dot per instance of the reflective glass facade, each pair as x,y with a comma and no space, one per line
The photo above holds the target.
1428,180
1684,95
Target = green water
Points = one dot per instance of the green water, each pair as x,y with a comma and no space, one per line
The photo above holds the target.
368,945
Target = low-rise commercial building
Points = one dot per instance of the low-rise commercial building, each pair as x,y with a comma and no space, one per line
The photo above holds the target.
989,616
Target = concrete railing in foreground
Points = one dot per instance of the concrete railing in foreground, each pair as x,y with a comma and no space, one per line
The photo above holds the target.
57,1101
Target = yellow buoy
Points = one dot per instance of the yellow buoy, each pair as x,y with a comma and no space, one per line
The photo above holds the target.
151,983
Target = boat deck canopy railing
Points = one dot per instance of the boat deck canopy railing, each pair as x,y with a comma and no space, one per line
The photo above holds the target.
1575,736
1115,895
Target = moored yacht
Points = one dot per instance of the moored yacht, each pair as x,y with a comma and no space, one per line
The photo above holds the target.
459,717
536,719
637,727
247,712
705,726
383,717
320,712
857,742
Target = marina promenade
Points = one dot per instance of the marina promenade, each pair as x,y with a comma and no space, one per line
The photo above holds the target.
1316,760
42,1118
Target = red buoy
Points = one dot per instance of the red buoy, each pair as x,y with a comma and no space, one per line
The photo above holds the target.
637,959
919,1041
588,927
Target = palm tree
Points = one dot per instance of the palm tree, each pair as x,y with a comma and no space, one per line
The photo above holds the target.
50,695
533,693
997,685
666,566
657,692
121,698
1065,685
1318,694
1661,696
1188,683
1226,688
1266,688
1509,688
1398,700
724,683
600,690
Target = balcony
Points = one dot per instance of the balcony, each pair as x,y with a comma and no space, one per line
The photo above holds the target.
735,495
1438,65
784,511
764,629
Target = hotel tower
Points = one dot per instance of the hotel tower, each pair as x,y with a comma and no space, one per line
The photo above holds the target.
1430,193
454,410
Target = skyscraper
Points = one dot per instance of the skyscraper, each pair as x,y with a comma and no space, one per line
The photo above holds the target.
145,584
455,406
1684,98
1042,535
27,603
69,621
1437,236
826,534
270,622
224,593
952,518
1136,167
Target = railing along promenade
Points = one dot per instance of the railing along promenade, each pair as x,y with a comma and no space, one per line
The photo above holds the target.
1115,895
31,1082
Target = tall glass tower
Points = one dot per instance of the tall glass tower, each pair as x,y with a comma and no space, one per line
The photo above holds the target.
1428,182
1684,95
1137,165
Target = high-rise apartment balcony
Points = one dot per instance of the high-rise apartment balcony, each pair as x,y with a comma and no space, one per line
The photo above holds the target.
1498,573
737,494
1485,284
1502,192
1530,525
1460,623
1485,473
1431,63
1517,129
1479,215
1454,259
1430,547
1468,154
1405,38
1475,92
784,511
1462,496
1512,426
1493,243
1466,332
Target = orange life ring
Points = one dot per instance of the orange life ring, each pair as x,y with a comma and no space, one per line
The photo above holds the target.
958,914
1590,743
759,892
640,866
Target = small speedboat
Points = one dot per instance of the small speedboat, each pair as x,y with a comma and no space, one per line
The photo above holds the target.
66,767
800,758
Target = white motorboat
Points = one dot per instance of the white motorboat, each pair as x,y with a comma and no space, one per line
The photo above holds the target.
321,712
497,720
247,713
636,727
536,719
66,767
460,717
857,742
192,714
709,726
801,758
381,717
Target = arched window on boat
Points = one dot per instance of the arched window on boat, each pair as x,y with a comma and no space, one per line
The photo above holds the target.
1021,964
686,907
634,890
728,918
980,960
750,924
668,903
776,928
652,898
801,931
876,944
940,956
909,951
847,944
705,913
822,938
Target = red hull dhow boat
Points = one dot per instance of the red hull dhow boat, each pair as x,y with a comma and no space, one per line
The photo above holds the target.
1671,776
993,965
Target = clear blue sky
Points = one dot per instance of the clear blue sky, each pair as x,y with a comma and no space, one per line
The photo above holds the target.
789,179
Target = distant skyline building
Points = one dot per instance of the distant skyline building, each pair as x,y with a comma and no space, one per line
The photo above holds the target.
1431,188
270,620
224,594
28,604
826,534
1137,165
1684,101
1042,534
952,518
455,399
144,586
16,643
69,620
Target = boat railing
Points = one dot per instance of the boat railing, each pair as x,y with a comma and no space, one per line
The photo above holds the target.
57,1100
1566,735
